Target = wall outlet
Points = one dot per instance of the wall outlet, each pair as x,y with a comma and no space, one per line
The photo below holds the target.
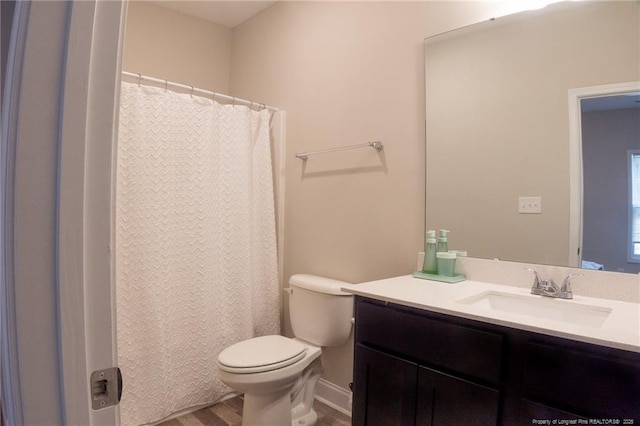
530,205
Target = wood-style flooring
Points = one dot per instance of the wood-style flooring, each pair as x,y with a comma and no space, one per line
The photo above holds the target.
229,413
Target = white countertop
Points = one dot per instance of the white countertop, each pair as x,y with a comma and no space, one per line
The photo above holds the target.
620,330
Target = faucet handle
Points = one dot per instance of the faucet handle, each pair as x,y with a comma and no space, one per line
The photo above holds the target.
537,278
565,290
537,281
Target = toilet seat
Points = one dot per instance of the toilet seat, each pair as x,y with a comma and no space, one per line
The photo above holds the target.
261,354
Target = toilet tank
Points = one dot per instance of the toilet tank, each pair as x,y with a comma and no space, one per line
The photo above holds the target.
319,311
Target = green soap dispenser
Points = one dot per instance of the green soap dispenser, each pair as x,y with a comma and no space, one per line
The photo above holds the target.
442,241
429,265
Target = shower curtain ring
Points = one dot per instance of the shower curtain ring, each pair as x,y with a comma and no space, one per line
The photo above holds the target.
139,79
213,98
191,94
166,86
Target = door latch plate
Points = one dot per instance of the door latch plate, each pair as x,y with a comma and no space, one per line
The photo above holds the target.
106,388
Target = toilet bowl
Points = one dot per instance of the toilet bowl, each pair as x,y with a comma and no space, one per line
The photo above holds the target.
268,388
278,374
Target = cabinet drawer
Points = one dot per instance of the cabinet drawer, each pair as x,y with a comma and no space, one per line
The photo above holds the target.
583,381
424,337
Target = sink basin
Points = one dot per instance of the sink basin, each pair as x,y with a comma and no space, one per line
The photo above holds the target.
541,307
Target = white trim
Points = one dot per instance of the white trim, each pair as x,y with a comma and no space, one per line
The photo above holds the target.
631,258
101,135
11,390
69,219
31,242
334,396
575,158
86,309
575,180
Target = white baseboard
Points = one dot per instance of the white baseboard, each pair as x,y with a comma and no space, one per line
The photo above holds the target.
334,396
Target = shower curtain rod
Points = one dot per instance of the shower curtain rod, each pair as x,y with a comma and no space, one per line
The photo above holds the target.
139,78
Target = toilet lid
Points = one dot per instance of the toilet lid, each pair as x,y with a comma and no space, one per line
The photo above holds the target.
260,354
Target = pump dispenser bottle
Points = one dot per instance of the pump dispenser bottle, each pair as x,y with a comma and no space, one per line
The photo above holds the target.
442,241
430,266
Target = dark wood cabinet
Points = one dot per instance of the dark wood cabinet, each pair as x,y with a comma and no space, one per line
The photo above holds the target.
386,389
416,367
448,400
588,381
394,391
530,410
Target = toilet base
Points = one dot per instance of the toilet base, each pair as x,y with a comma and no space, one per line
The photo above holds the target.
308,419
272,409
302,395
260,411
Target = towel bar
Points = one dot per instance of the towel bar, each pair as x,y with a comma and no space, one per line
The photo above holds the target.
377,145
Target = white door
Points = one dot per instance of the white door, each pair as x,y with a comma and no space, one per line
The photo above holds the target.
59,117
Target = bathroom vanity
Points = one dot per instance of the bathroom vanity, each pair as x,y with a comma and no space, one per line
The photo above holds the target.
430,353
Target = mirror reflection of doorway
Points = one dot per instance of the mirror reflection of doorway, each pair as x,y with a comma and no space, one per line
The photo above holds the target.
610,130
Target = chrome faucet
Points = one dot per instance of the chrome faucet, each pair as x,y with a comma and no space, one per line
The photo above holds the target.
549,288
565,290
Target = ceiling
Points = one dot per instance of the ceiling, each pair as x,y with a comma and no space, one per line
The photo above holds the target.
226,13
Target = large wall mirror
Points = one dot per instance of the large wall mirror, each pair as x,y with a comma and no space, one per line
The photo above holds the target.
498,131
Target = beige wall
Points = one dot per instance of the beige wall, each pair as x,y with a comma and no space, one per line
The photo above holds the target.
169,45
347,73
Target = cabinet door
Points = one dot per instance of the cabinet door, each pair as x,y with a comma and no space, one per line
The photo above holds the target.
594,381
384,390
445,400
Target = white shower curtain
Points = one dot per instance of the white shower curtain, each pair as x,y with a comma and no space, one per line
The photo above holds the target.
196,262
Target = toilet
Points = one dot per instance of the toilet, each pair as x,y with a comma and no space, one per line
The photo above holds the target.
278,374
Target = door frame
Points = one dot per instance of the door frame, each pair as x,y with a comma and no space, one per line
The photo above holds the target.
60,115
575,158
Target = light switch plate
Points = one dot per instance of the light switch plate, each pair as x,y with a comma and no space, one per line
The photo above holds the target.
530,205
